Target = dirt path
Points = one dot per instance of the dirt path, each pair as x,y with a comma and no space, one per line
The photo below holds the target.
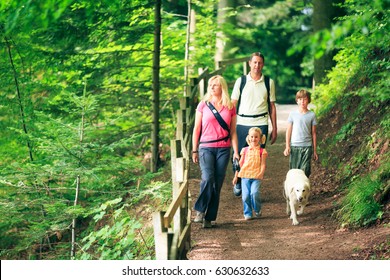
272,237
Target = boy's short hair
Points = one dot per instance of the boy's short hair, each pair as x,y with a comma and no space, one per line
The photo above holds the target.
302,94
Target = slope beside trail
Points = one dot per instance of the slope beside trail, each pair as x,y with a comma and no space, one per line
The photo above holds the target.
273,237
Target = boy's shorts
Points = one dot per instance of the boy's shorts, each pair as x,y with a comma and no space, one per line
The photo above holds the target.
300,158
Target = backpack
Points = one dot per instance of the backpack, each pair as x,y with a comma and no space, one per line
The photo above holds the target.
267,86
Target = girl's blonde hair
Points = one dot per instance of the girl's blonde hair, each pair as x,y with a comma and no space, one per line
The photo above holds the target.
302,94
225,100
258,131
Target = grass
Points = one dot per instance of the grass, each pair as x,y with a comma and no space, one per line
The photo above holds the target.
359,207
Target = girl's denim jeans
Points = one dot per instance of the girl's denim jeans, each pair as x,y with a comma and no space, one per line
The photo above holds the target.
250,196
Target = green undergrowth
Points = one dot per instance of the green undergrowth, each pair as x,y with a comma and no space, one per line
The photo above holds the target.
354,122
111,224
356,151
121,229
363,205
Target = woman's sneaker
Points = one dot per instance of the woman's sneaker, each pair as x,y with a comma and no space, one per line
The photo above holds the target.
199,217
207,224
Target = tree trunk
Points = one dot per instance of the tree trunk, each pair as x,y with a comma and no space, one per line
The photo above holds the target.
73,249
156,87
324,14
81,140
22,115
190,29
223,42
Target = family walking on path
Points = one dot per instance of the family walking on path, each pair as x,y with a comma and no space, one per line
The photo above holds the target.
272,237
240,126
222,124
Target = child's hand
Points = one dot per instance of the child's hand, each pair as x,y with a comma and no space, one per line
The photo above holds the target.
286,152
234,180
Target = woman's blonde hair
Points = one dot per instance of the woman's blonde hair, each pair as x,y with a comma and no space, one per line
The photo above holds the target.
225,100
257,130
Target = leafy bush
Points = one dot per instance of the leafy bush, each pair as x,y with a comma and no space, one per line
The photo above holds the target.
359,208
362,61
118,232
116,239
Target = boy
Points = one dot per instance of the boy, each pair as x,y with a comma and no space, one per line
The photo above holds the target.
301,136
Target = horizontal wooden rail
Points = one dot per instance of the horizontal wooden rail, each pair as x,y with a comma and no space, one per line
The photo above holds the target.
226,62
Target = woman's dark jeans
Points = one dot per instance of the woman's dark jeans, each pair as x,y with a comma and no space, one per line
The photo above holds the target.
213,163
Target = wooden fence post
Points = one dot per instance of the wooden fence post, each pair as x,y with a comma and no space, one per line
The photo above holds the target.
162,238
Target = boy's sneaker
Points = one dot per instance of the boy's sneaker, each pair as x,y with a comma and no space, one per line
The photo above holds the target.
258,215
207,224
247,218
199,217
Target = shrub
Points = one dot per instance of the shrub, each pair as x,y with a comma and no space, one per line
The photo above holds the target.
359,206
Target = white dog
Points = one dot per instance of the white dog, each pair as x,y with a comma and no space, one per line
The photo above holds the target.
296,193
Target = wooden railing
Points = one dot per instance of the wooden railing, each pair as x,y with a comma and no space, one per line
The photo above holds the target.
172,228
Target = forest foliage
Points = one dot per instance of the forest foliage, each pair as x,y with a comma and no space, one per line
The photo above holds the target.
358,88
75,107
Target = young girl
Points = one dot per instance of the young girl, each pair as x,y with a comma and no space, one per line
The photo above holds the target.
252,163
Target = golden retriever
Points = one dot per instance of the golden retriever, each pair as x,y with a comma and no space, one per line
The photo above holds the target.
296,193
